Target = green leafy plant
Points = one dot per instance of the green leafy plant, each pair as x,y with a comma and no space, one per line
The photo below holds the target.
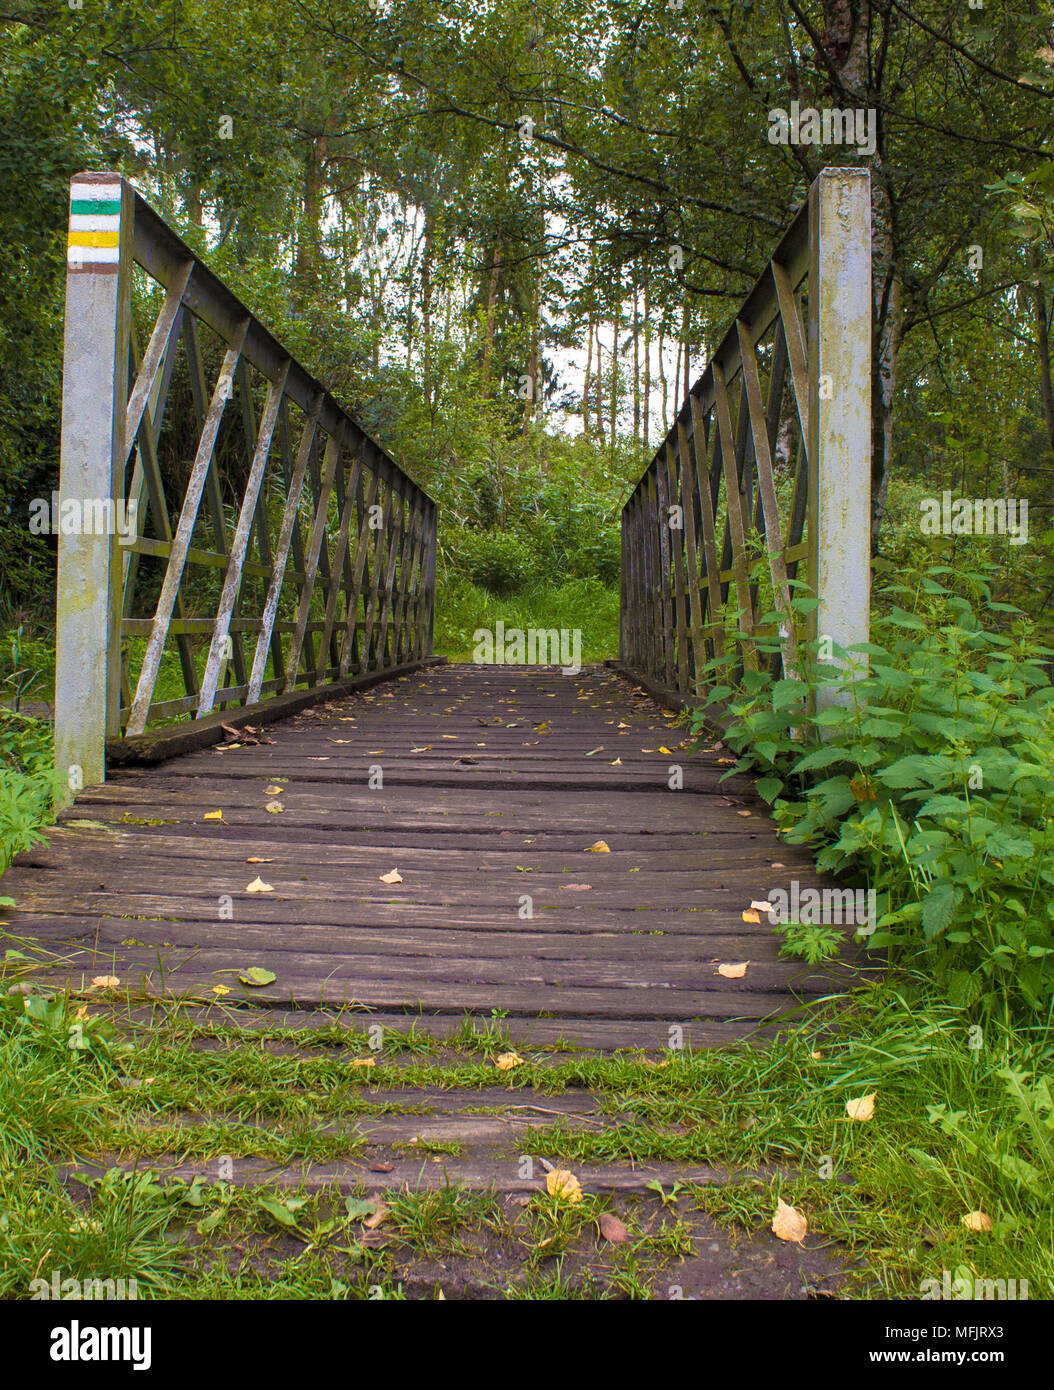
920,765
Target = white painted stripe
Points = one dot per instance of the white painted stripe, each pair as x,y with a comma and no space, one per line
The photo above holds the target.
93,255
98,192
94,222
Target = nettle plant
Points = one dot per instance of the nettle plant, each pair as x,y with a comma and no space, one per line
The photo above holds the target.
921,765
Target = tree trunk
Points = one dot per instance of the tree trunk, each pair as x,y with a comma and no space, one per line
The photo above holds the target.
492,304
647,360
1039,314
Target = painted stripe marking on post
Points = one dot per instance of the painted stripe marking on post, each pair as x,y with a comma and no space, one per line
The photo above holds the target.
95,226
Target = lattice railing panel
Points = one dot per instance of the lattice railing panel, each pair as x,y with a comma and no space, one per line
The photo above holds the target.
767,460
260,541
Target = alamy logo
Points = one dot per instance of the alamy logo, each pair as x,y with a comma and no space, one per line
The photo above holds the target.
538,646
975,516
97,1290
831,126
83,516
964,1285
77,1343
856,907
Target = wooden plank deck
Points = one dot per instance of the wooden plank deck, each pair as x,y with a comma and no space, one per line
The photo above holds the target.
496,780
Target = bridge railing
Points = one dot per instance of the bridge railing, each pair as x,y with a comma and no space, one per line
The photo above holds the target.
768,459
228,536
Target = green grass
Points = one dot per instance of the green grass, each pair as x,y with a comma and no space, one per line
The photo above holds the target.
962,1123
583,604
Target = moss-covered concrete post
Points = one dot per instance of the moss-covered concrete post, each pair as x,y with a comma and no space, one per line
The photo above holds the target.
840,404
91,479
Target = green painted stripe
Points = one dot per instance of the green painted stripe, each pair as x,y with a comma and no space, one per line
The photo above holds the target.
95,207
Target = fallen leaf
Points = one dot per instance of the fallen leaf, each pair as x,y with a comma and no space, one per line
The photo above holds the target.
862,1108
977,1221
667,751
817,1055
611,1228
789,1224
734,972
508,1060
595,750
601,847
258,886
380,1213
105,982
575,887
742,813
221,989
563,1185
274,791
257,975
382,1167
275,807
617,762
255,859
213,815
750,915
762,906
393,877
364,1061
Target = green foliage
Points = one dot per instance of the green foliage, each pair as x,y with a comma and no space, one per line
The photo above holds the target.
921,766
496,560
27,782
582,604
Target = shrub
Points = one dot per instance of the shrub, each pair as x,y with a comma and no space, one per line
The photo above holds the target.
926,773
495,560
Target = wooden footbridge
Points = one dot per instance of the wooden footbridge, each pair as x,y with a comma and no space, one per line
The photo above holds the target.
280,796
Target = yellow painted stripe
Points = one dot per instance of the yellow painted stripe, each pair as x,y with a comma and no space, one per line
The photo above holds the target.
93,238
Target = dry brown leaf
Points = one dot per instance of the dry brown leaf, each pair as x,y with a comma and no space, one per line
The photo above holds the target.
611,1228
862,1108
380,1213
364,1061
601,847
258,886
762,906
255,859
742,813
817,1055
734,972
508,1060
564,1185
394,876
105,982
575,887
977,1221
789,1224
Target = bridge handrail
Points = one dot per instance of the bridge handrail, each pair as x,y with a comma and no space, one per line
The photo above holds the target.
676,583
373,597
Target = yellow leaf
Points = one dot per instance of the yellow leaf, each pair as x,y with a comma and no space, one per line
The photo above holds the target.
750,915
617,762
734,972
274,791
817,1055
862,1108
364,1061
977,1221
508,1060
275,807
662,749
564,1185
220,989
213,815
255,859
105,982
393,877
789,1224
258,886
601,847
742,813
